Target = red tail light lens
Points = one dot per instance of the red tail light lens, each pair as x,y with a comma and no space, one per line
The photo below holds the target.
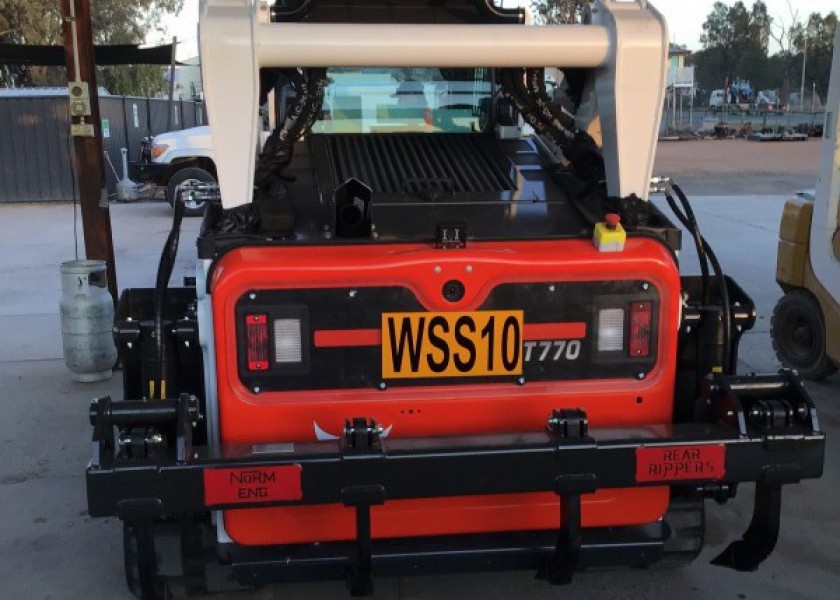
641,317
256,330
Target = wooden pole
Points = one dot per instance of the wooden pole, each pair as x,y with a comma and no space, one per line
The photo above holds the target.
171,103
86,130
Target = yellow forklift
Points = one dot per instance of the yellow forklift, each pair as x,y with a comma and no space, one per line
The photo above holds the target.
806,320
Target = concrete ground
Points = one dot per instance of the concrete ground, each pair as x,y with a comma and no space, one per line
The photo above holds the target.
51,549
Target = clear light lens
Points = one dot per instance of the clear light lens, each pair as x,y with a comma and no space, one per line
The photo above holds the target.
287,341
610,330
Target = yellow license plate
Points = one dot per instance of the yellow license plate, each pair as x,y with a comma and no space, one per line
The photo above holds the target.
451,344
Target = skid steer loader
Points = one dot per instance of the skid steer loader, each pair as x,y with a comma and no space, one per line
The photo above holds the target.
421,341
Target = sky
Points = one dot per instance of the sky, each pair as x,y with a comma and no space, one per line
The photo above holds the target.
685,19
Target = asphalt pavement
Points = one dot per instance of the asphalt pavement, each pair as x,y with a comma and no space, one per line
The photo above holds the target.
51,549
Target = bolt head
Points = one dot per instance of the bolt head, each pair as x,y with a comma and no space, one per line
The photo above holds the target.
383,386
646,286
438,270
352,293
641,375
520,381
256,389
252,296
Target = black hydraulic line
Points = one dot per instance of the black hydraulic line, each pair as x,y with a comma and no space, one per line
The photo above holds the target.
317,83
164,272
698,244
276,146
703,246
687,218
577,145
724,290
546,109
727,308
278,149
514,90
581,151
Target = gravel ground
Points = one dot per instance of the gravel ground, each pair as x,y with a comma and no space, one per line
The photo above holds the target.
717,167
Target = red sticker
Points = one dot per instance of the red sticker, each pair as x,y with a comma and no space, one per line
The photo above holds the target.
249,485
680,463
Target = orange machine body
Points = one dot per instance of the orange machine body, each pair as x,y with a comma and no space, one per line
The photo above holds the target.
446,408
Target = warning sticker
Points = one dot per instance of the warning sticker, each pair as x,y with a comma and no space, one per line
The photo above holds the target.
679,463
252,484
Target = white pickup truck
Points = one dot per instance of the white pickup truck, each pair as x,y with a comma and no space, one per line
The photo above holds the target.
175,158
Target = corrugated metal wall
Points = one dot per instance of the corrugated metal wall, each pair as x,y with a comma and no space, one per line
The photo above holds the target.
35,151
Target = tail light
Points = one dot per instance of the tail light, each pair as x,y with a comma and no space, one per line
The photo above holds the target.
641,316
256,331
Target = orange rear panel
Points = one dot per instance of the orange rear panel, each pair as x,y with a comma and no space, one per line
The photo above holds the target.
413,411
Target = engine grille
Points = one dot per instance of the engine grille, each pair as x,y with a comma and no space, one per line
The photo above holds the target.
417,163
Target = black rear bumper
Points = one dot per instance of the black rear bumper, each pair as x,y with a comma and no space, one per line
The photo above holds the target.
157,173
760,429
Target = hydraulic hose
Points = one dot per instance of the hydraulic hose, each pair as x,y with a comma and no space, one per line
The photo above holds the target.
706,255
157,387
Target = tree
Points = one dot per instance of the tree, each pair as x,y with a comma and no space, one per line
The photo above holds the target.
816,38
549,12
114,22
735,44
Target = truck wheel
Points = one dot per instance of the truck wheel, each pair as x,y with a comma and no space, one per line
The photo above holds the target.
193,207
798,333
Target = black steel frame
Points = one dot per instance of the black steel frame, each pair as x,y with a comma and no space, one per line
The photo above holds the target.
767,424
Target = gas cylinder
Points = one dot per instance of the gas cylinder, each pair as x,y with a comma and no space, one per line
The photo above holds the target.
87,320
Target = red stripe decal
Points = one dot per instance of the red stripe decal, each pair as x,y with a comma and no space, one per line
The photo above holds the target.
342,338
249,485
680,463
346,338
555,331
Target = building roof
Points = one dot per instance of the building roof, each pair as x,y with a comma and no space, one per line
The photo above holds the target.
677,50
40,92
